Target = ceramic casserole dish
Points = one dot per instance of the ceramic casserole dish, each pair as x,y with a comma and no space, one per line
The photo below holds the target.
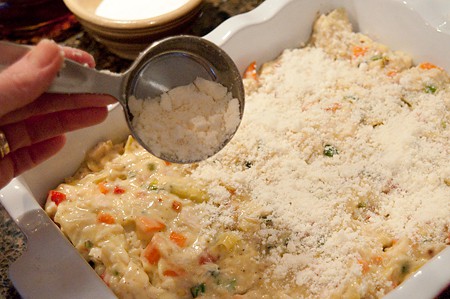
260,35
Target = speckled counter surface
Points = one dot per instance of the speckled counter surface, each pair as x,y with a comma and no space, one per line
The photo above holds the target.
214,12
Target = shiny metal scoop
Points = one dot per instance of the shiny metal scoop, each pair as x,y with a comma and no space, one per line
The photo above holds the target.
164,65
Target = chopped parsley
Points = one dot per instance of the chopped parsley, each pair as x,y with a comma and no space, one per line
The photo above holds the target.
430,89
361,205
376,57
329,150
153,185
88,244
151,166
197,290
405,268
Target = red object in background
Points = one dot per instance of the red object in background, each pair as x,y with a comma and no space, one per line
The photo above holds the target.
28,21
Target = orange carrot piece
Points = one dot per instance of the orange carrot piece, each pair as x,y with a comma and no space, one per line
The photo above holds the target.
151,253
170,273
359,51
250,72
118,190
149,225
103,188
56,196
207,258
365,265
392,73
427,66
377,260
106,218
178,239
176,206
334,107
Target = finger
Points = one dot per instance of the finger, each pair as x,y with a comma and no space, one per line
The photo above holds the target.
79,56
29,77
39,128
49,103
26,158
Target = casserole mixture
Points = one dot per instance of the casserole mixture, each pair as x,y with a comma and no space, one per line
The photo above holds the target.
337,184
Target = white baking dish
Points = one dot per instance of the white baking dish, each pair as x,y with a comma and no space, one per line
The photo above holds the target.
415,27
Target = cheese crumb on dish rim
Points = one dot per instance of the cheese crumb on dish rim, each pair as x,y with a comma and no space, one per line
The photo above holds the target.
336,185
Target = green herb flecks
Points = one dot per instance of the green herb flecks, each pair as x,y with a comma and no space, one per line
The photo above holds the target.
151,166
197,290
88,244
329,150
153,185
430,88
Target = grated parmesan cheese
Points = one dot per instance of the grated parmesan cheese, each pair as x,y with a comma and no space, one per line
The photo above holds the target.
384,182
188,123
336,185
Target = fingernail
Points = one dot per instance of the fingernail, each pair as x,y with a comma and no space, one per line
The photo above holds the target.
44,53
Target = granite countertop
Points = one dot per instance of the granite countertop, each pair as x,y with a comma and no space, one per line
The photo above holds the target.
213,13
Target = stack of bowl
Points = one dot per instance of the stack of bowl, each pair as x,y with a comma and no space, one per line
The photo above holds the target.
128,27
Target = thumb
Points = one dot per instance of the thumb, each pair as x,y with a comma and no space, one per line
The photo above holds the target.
24,81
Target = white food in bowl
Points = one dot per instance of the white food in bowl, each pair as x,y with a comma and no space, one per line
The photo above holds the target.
186,123
136,9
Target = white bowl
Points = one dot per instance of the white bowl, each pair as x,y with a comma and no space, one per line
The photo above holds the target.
261,35
127,38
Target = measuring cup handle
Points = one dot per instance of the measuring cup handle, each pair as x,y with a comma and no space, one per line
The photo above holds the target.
76,78
72,78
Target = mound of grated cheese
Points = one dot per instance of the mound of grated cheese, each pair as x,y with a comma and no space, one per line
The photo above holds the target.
346,152
187,123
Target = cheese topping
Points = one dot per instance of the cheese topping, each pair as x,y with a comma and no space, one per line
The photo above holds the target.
336,185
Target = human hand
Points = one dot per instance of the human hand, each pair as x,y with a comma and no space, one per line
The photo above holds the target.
33,121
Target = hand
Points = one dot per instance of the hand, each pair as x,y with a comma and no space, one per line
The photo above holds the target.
33,121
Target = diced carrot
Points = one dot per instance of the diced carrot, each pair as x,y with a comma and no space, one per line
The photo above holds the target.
118,190
176,206
427,66
149,225
377,260
207,258
151,253
167,163
365,265
56,196
106,218
359,51
103,188
231,190
170,273
334,107
250,72
392,73
178,239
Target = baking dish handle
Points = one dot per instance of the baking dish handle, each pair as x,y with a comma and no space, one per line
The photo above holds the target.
49,257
